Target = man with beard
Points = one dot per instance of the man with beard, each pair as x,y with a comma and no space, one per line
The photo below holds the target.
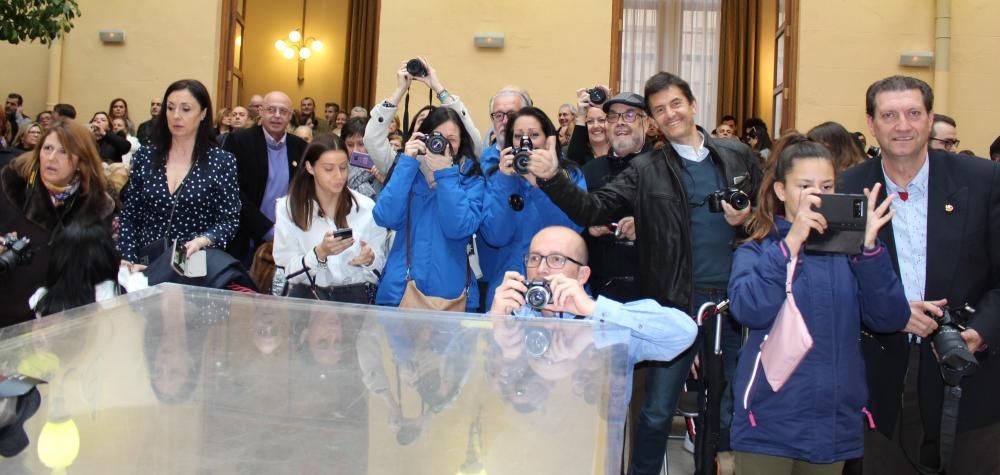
614,259
685,247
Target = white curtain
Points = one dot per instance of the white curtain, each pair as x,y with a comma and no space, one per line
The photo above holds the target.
678,36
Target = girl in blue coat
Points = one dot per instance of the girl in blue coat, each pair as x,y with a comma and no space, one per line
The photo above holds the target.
816,420
515,208
443,194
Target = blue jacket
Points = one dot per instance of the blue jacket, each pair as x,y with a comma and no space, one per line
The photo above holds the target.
819,415
489,255
441,222
510,231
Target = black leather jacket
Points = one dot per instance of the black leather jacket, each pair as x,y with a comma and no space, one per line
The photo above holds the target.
651,190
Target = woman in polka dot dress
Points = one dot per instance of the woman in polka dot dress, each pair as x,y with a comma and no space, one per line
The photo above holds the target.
182,186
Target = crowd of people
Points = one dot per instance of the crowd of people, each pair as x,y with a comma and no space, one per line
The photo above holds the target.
623,209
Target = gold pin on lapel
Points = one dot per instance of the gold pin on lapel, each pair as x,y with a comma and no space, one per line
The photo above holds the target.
948,208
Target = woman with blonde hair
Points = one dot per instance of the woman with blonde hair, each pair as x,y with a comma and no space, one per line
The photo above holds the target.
60,182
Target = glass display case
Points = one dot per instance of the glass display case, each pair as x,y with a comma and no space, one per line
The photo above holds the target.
177,379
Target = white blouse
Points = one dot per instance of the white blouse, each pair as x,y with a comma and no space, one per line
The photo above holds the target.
292,245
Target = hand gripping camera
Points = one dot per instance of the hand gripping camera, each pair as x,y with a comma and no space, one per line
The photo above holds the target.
953,354
736,198
436,143
522,155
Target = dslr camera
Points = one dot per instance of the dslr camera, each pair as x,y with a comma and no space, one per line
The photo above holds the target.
736,198
522,155
436,143
953,354
416,68
14,252
597,95
538,294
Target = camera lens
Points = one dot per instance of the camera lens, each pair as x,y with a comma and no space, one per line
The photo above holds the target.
538,295
416,68
739,200
436,143
521,161
597,95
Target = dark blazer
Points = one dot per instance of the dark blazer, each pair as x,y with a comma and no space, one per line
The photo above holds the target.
963,265
250,149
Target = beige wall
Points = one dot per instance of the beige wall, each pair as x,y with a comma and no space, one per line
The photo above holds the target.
264,67
552,48
25,67
164,41
845,45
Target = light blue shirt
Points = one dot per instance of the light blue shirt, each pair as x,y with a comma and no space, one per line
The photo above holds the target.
277,177
909,228
657,333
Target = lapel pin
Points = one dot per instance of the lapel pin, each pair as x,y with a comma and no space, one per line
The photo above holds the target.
948,208
295,163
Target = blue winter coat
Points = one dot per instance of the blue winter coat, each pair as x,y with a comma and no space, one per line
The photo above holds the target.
509,230
819,414
441,222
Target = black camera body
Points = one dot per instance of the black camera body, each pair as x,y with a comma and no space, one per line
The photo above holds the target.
416,68
522,155
436,143
953,354
734,196
597,95
538,294
15,251
873,152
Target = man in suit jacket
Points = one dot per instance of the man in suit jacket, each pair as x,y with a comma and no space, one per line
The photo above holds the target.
266,157
945,244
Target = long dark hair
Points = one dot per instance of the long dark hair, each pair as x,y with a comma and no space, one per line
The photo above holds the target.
791,147
845,148
302,190
413,123
548,129
441,115
83,255
205,138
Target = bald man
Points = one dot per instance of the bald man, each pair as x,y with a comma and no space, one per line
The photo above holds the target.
256,107
557,256
266,156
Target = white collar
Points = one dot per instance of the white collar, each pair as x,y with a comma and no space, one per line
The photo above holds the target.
688,152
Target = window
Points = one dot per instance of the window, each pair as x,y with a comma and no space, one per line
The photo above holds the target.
678,36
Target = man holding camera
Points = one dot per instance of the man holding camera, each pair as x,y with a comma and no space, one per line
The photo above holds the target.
945,245
556,265
689,201
612,245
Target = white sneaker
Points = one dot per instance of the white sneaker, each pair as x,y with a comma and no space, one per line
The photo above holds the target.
688,442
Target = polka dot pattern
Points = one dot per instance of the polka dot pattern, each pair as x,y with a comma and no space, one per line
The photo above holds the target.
208,203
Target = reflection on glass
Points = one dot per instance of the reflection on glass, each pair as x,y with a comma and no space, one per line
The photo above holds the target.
184,380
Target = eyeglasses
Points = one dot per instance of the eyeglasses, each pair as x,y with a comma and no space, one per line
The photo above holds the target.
949,143
273,110
629,116
554,261
497,116
592,122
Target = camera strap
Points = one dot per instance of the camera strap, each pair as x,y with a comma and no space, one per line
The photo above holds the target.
946,440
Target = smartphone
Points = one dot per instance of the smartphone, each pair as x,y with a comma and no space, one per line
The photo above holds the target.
345,233
194,266
846,217
361,160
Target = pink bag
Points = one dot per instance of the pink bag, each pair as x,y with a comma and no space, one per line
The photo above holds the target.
788,342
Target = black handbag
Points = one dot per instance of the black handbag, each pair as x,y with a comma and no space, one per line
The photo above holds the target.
363,293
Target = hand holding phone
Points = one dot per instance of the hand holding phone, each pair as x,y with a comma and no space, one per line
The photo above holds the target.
361,160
